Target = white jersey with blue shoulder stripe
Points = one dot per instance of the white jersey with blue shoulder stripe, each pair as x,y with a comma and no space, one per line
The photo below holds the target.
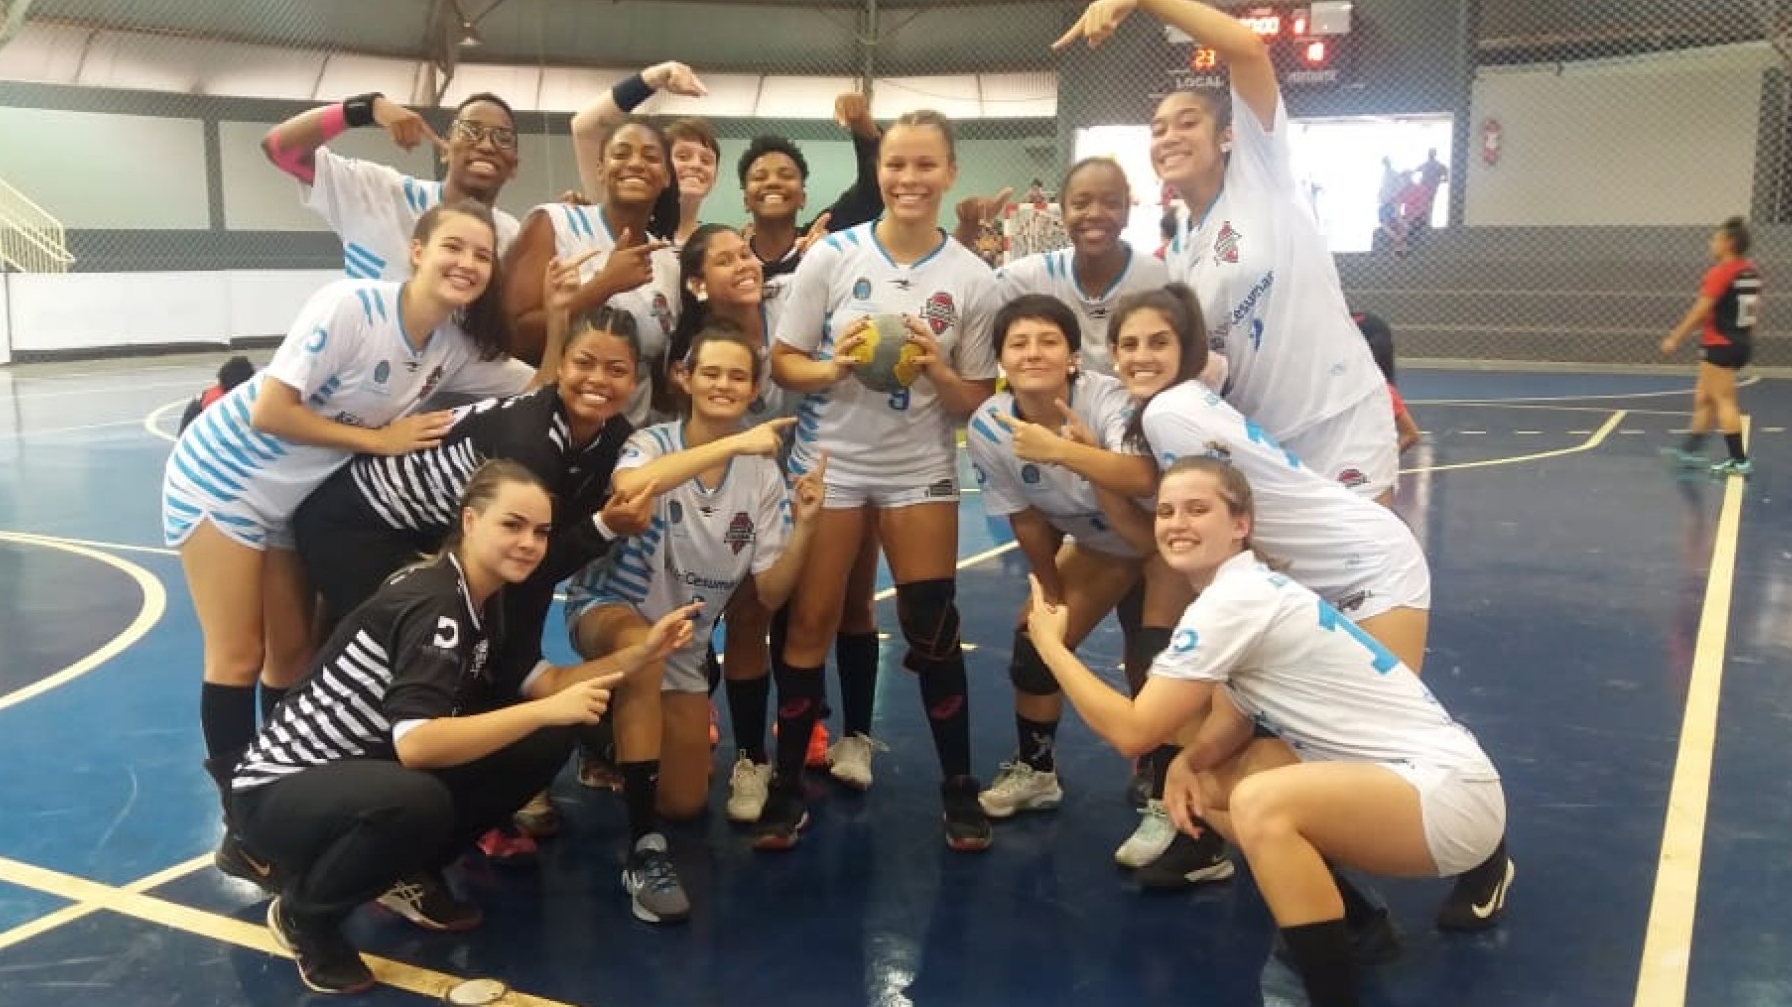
1064,498
374,209
349,360
700,544
654,305
872,436
1051,273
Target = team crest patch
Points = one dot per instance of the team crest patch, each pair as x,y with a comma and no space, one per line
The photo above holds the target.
740,532
1225,244
430,383
1353,478
941,312
382,372
662,312
861,289
1029,474
674,511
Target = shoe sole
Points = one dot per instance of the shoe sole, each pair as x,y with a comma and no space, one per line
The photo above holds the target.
744,817
646,915
778,842
970,844
1137,863
1222,871
859,785
1049,803
420,920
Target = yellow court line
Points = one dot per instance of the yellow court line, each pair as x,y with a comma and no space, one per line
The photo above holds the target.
34,538
69,914
155,602
411,978
1667,944
1598,437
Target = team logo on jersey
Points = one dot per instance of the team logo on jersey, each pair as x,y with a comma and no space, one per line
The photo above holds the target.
944,488
674,511
861,289
902,283
1352,601
314,343
1353,478
382,372
1225,244
662,312
740,532
481,651
1029,474
1184,641
1217,449
430,383
1098,311
941,312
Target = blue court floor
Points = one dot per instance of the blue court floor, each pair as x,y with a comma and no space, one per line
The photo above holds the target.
1614,631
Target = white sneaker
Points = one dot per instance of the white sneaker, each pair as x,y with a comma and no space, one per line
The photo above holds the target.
849,760
1149,840
748,786
1020,787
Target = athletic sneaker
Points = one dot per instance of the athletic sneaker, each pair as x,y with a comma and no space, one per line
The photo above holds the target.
748,786
652,883
327,962
1479,898
1149,840
781,822
509,848
426,900
967,827
849,760
1187,861
1020,787
234,859
538,819
1743,467
1686,459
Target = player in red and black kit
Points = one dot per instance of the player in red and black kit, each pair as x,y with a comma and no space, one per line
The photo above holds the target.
1725,312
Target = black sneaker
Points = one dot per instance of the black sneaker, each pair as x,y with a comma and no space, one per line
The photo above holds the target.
967,827
652,883
1187,861
782,820
426,900
327,962
234,859
1479,899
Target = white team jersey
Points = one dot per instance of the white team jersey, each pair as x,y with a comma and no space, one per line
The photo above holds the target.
1297,667
774,400
654,305
1270,293
699,545
374,208
1334,541
873,436
1050,273
1064,498
349,360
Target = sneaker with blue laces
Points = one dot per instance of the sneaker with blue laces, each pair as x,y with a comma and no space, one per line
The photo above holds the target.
652,883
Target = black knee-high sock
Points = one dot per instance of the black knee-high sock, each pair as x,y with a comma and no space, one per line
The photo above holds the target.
1158,762
1321,953
799,704
270,698
1357,907
641,793
748,699
227,716
855,654
1141,649
1734,443
1038,743
943,693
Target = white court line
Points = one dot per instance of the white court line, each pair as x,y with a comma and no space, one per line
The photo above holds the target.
155,602
1667,943
1687,391
126,387
1597,438
69,430
57,540
152,424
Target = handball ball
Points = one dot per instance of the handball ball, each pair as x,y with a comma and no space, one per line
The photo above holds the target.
886,357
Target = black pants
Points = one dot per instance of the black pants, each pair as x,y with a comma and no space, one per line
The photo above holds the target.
342,833
348,551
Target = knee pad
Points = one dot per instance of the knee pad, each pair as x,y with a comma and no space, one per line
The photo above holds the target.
929,617
1027,670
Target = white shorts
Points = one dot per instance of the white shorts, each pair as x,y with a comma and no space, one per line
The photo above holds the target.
890,491
185,508
1464,814
1358,447
685,671
1398,579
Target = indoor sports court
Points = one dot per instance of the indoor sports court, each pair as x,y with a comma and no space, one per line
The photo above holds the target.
1525,193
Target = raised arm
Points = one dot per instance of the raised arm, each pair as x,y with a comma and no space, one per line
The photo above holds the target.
592,125
292,145
680,467
1253,75
774,584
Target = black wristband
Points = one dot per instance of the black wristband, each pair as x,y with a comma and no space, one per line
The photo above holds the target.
629,93
358,111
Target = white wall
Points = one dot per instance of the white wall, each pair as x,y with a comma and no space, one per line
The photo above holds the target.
74,311
99,170
1664,139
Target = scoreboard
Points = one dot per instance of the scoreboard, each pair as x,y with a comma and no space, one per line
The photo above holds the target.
1309,43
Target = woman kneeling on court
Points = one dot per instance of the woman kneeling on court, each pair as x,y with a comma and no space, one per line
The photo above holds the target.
1365,770
724,521
366,780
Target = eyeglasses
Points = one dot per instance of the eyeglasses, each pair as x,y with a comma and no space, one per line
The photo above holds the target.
502,137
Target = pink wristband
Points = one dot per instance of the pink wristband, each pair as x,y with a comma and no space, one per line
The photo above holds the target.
334,122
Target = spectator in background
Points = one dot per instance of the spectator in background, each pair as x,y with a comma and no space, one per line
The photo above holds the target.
235,371
1166,230
1387,209
1036,193
1432,176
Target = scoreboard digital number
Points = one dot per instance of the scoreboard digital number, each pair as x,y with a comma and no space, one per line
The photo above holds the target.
1309,43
